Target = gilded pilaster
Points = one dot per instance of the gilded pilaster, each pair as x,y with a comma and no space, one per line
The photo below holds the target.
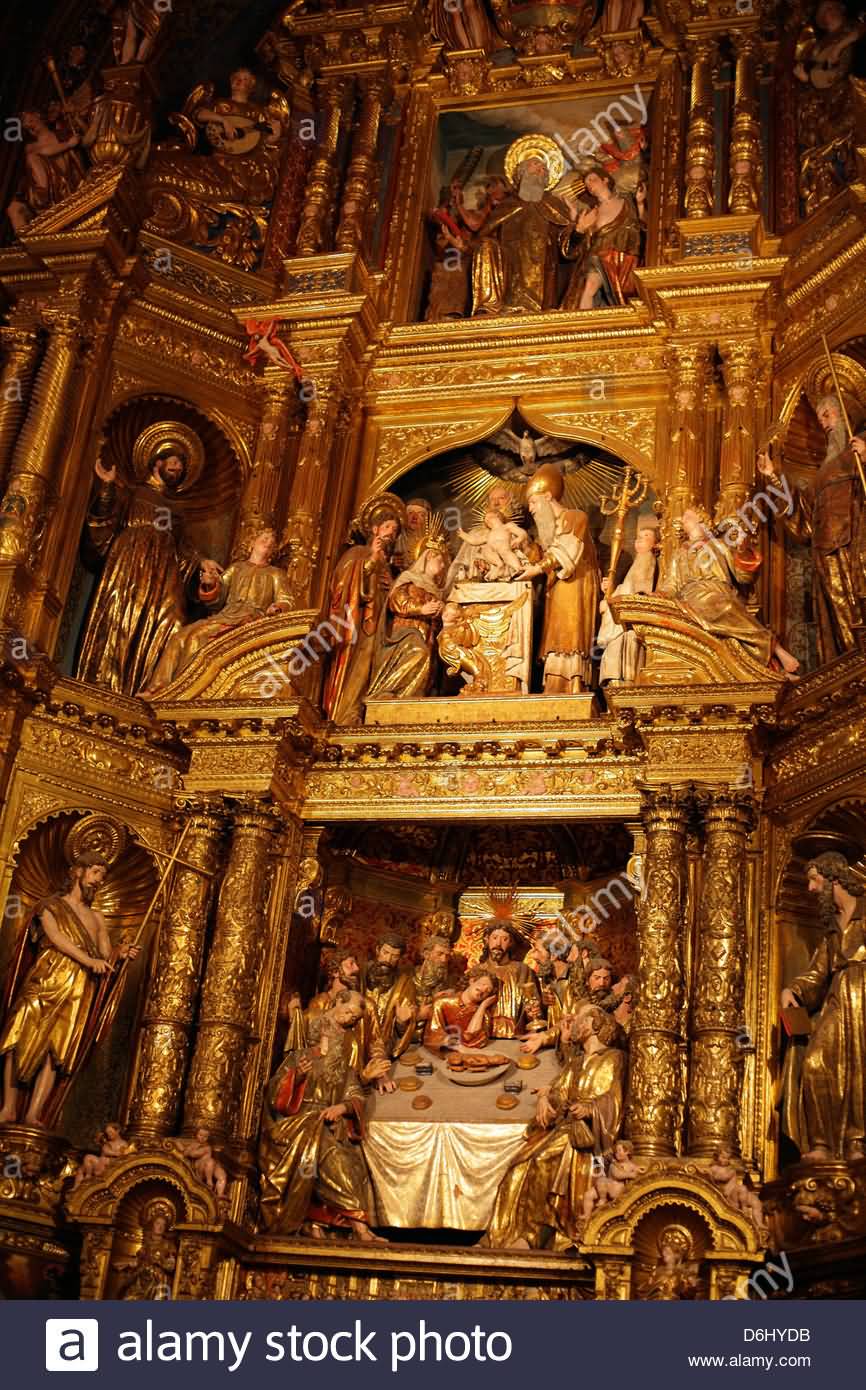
689,367
171,1000
700,139
306,500
319,194
20,348
741,366
654,1050
745,147
717,1012
22,511
360,179
233,975
260,495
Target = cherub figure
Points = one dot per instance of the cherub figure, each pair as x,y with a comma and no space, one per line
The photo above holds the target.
611,1184
725,1173
199,1154
498,541
112,1146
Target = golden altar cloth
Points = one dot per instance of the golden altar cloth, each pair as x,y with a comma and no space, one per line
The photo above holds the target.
440,1168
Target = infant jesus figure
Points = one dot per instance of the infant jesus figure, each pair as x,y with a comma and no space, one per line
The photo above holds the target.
500,544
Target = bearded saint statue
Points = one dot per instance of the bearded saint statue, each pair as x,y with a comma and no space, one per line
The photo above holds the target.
571,569
831,515
514,264
824,1086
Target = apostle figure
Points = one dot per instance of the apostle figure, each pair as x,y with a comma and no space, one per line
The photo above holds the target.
515,979
824,1088
369,1059
605,243
515,260
571,570
140,597
391,992
703,577
41,1038
359,591
577,1118
831,515
461,1017
430,978
310,1158
249,589
404,655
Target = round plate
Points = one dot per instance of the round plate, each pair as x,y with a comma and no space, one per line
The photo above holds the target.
506,1102
409,1083
477,1078
421,1103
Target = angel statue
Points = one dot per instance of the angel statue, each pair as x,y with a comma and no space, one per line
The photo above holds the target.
190,193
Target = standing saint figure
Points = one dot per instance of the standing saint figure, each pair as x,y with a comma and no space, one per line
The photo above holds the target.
824,1088
623,652
50,1008
832,516
404,655
249,589
569,564
360,586
310,1157
577,1118
515,261
140,597
605,243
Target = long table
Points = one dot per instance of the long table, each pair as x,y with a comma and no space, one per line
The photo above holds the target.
440,1168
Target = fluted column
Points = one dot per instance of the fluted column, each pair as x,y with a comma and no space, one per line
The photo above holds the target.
232,976
20,348
715,1073
654,1078
170,1007
22,511
360,179
322,178
741,367
700,139
745,149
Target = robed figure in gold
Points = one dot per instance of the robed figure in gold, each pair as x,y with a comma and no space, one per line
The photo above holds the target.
831,517
824,1087
515,260
703,576
368,1056
540,1199
390,991
41,1037
360,587
148,561
249,589
310,1158
404,656
570,568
